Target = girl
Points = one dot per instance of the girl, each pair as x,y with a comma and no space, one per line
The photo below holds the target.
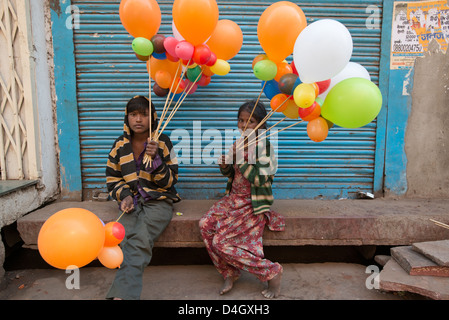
232,229
145,192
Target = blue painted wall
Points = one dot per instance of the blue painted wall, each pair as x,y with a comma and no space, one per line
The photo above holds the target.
66,104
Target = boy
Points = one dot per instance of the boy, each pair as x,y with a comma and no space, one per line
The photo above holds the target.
145,192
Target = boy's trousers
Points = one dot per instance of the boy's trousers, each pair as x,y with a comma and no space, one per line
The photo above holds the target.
143,226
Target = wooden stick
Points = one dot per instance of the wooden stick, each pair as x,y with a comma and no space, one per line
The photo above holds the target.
124,211
292,125
263,121
258,136
146,158
178,104
167,105
254,108
441,224
151,110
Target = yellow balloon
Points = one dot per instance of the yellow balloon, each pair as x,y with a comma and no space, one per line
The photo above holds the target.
291,111
221,67
304,95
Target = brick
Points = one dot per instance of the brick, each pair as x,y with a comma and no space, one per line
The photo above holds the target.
437,251
415,263
394,278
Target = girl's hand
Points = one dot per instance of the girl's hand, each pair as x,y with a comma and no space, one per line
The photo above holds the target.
127,204
151,149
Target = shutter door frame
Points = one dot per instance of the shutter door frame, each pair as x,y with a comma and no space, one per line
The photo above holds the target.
108,74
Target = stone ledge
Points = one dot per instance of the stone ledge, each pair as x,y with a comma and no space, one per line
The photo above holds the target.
308,222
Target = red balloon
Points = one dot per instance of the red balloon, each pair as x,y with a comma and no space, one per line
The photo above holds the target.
204,80
212,60
294,68
323,85
201,54
311,112
114,234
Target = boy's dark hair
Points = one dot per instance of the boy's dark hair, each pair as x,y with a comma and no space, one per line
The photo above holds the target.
259,111
142,105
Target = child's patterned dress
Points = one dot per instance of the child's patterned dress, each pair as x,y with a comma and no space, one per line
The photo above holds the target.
232,233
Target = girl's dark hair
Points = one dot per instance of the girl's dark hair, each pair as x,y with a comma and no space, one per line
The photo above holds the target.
142,105
259,111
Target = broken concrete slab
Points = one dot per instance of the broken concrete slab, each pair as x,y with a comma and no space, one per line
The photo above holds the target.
437,251
394,278
415,263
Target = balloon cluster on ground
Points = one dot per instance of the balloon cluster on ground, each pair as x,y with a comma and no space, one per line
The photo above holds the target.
201,43
320,86
74,237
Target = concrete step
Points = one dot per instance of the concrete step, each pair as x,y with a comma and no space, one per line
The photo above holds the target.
308,222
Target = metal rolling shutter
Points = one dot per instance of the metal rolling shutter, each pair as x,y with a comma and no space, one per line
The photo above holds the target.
108,74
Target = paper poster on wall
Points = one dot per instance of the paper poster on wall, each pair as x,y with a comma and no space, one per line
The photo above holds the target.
414,25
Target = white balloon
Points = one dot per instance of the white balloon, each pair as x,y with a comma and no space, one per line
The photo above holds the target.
351,70
322,50
175,31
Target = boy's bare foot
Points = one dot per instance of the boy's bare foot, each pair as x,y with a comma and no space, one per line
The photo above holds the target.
274,287
227,285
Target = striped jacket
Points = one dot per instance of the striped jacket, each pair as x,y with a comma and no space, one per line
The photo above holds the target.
260,173
122,178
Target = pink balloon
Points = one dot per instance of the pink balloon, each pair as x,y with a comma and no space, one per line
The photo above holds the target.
170,44
184,50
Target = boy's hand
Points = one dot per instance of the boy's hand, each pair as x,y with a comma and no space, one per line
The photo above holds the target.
151,149
127,204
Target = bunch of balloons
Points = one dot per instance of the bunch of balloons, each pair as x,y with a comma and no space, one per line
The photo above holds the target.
320,86
201,43
74,237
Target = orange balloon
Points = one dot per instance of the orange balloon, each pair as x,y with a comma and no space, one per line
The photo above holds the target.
163,79
114,233
195,20
279,101
317,129
291,111
111,257
207,71
154,65
278,27
226,40
71,237
178,86
310,113
258,58
283,68
317,89
141,18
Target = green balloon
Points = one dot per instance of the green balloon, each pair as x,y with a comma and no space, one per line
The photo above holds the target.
142,46
193,73
352,103
265,70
